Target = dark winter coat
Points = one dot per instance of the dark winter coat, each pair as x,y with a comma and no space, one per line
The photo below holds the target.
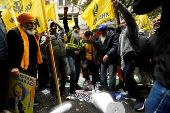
109,47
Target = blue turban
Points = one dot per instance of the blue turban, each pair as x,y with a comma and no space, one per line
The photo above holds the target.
103,27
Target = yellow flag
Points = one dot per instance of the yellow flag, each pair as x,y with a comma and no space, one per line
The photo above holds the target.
18,6
71,24
38,10
4,4
50,11
8,19
36,7
143,22
97,12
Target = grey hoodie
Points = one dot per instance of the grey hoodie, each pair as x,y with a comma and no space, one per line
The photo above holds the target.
128,36
57,44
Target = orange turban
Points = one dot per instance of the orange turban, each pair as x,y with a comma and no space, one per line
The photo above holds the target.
25,17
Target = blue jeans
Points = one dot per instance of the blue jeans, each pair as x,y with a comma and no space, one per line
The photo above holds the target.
75,70
61,65
158,100
112,76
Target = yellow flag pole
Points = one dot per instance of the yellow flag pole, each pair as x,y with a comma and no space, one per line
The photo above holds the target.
52,57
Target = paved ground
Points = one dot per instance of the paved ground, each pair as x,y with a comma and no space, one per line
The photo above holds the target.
80,107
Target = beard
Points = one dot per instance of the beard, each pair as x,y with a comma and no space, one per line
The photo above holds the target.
156,26
75,35
27,29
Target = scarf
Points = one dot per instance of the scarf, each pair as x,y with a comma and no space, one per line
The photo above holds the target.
25,57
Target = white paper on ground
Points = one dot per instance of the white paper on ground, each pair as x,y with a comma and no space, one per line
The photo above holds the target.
105,103
45,91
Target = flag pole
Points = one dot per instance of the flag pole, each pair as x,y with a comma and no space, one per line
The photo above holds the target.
52,57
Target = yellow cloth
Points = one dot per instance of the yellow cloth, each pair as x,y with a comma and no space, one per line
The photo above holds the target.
97,12
143,22
25,57
88,49
50,11
25,17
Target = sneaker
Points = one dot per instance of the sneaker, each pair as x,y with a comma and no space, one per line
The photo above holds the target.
53,98
64,94
36,102
112,93
72,91
139,105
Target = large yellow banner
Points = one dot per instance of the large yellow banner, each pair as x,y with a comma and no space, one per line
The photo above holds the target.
36,7
50,11
97,12
18,6
143,22
20,93
37,10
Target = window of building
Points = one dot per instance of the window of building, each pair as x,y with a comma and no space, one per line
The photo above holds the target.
60,2
68,2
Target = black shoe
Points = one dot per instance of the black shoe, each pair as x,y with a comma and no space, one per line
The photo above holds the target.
36,102
53,97
72,91
78,87
63,93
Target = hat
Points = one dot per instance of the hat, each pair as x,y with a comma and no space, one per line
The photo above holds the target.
97,33
76,26
88,33
103,27
25,17
51,24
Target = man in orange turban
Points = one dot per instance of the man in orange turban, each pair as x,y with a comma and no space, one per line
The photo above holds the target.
24,51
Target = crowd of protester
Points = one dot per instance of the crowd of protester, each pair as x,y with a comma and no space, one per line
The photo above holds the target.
100,53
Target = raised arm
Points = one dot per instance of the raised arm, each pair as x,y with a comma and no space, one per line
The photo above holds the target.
131,24
65,20
145,6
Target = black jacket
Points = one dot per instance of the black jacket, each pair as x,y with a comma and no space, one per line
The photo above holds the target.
162,48
109,47
16,49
